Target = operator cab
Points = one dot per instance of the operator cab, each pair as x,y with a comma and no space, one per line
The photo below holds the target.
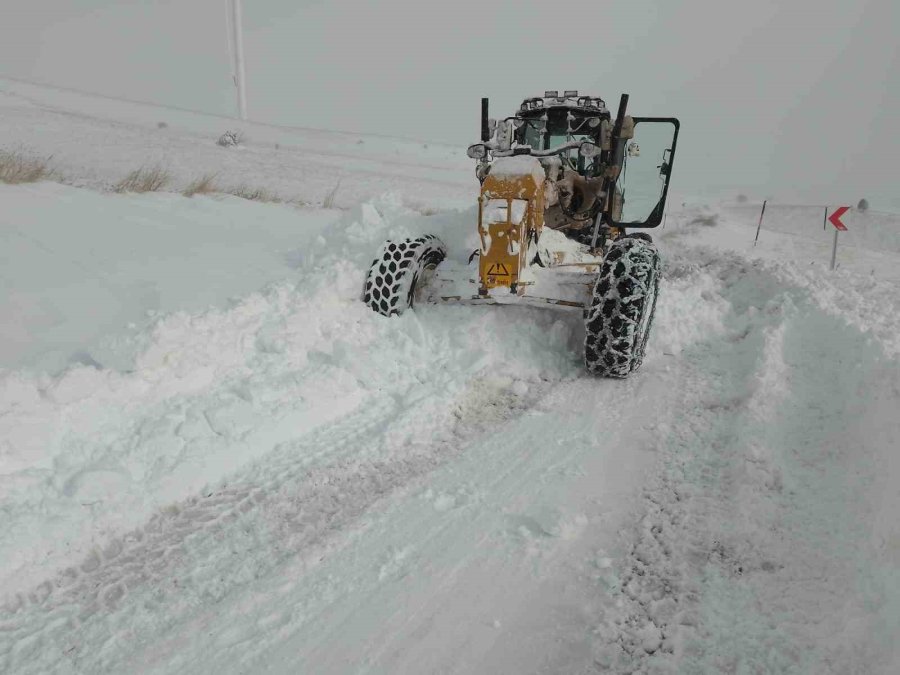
550,121
611,172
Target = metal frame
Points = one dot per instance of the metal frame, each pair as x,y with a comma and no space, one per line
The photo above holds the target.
655,219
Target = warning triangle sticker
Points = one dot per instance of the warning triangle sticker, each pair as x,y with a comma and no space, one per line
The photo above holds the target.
498,270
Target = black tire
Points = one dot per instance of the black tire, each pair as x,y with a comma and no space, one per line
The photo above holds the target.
391,282
617,323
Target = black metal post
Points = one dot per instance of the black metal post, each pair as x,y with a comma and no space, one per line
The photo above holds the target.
620,120
760,221
608,183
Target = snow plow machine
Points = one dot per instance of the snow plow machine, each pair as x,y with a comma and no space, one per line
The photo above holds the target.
565,189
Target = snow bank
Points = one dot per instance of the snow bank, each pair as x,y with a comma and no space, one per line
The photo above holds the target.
81,266
794,234
863,290
96,141
874,230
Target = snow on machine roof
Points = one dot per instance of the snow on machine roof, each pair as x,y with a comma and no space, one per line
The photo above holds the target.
569,99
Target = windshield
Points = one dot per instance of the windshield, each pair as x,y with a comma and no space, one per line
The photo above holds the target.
531,134
554,129
557,131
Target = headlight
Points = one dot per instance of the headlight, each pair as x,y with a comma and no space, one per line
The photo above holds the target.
588,149
477,151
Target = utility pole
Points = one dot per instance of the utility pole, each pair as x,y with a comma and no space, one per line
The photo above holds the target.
238,40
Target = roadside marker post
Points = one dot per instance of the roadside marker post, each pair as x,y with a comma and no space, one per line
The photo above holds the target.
835,219
761,213
834,250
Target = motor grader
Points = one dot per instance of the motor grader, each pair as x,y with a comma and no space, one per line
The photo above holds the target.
565,190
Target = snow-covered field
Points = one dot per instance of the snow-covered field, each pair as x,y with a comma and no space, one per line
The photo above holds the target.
214,458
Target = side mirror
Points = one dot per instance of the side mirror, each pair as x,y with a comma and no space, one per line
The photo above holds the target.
477,151
643,180
666,167
504,135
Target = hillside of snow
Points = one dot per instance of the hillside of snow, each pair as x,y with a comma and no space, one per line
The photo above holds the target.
215,459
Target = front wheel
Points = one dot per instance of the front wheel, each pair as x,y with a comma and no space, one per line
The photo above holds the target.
397,271
617,324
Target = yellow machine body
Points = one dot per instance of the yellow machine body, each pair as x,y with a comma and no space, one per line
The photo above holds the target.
510,217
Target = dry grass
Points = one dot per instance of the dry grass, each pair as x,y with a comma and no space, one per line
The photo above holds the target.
16,167
708,220
204,185
143,180
328,203
254,194
230,139
424,210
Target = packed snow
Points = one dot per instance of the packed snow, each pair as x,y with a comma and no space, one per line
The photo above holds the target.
215,459
519,165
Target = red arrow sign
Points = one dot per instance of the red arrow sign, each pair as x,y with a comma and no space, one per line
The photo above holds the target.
835,218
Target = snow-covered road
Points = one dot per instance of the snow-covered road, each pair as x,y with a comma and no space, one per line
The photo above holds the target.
287,482
701,513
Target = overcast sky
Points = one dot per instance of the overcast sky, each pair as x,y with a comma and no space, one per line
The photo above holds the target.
792,99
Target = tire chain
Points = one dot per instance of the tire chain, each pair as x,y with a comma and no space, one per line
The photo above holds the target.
612,346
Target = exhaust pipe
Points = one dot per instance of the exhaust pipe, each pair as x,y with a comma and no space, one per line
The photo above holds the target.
485,128
620,120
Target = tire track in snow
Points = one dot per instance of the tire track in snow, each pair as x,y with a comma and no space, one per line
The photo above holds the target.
149,554
748,553
410,592
94,612
656,584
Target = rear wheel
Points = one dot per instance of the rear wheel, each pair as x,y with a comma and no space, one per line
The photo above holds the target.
618,321
398,270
